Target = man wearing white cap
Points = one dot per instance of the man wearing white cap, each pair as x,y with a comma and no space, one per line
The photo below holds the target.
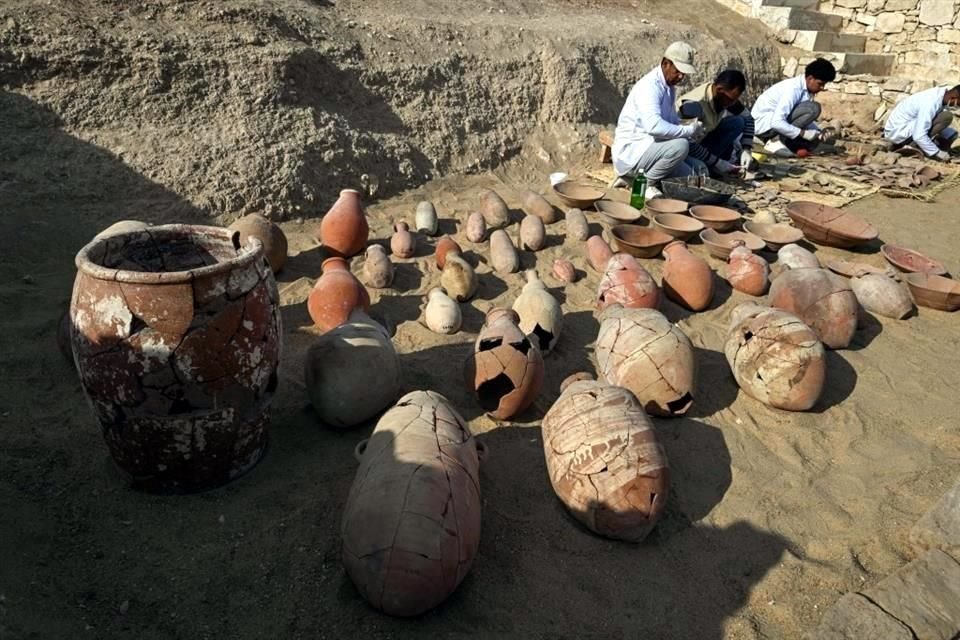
924,120
649,137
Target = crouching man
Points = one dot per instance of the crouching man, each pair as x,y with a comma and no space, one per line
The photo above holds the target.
726,148
924,121
786,114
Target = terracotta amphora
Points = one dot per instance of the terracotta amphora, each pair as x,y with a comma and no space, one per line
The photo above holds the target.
821,299
577,227
476,227
687,279
563,270
540,313
626,283
335,295
598,253
747,272
445,245
344,229
402,242
377,268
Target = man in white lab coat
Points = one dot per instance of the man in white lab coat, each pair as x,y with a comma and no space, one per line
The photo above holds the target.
786,113
924,121
649,137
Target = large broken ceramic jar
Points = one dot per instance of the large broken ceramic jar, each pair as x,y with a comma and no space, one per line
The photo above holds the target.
775,357
821,299
411,526
176,332
604,461
640,350
540,313
626,283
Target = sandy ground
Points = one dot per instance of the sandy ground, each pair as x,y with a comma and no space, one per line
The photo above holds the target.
771,515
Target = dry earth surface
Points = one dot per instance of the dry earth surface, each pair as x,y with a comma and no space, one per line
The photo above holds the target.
200,111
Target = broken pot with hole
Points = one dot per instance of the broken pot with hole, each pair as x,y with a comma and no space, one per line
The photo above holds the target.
539,312
626,283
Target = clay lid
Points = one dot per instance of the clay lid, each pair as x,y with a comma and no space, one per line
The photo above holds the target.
616,212
934,291
666,205
832,221
677,225
911,261
719,218
575,194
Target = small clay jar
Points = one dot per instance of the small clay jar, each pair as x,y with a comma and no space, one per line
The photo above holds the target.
577,227
563,270
539,312
335,295
506,369
747,272
476,227
494,209
344,229
532,233
402,242
445,245
882,295
270,235
503,255
687,279
626,283
458,278
821,299
598,253
442,313
536,205
426,218
793,256
377,268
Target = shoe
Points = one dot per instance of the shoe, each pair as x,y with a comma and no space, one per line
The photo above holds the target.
618,183
776,148
652,192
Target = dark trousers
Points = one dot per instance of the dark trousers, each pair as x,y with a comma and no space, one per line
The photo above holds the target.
720,141
802,116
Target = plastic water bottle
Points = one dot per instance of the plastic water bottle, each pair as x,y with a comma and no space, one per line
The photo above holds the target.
639,191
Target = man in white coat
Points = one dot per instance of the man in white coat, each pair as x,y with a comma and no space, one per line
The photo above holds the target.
649,137
786,113
923,120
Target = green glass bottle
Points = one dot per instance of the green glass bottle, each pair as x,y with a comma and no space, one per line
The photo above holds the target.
639,192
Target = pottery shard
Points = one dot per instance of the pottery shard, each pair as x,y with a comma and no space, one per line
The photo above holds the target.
411,525
536,205
494,209
775,358
882,295
626,283
604,461
503,255
640,350
532,233
821,299
577,227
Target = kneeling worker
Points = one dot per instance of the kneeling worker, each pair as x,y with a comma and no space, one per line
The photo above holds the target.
649,137
923,119
786,113
728,125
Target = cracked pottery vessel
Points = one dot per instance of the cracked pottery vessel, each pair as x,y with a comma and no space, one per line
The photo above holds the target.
335,295
576,225
503,255
176,334
442,313
506,368
747,272
793,256
882,295
458,278
604,460
640,350
352,372
494,210
821,299
402,242
425,218
270,236
445,245
532,233
626,283
536,205
564,271
377,268
540,313
476,227
775,358
344,229
411,525
598,253
687,279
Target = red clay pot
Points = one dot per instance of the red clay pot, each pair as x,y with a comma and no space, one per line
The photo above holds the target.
821,299
625,282
402,242
687,279
445,245
344,230
747,272
598,253
336,293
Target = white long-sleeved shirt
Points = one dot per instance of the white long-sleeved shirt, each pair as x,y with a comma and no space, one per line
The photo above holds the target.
912,118
648,116
772,109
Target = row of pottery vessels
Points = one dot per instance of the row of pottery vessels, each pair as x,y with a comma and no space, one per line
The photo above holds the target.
176,333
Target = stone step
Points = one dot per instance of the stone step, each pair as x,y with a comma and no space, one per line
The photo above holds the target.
798,19
853,64
829,41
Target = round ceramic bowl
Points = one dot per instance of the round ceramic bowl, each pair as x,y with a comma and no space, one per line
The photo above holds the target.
719,245
830,226
618,212
575,194
677,225
714,217
666,205
935,292
774,235
640,242
911,261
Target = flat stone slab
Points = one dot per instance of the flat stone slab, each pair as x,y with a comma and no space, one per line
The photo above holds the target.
856,618
924,595
939,528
